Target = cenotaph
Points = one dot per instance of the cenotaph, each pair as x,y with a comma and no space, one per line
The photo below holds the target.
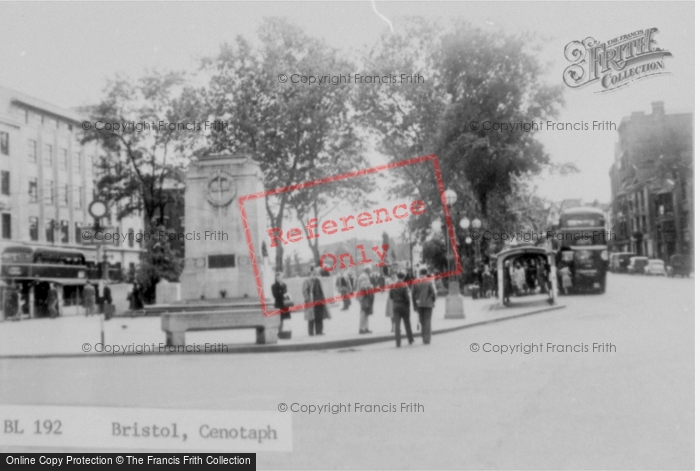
217,283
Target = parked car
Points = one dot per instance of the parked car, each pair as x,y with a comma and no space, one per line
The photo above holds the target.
637,265
655,267
681,265
619,261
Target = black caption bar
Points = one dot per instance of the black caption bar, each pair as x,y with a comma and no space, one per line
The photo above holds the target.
239,461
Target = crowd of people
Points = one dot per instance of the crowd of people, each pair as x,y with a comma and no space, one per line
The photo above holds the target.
421,295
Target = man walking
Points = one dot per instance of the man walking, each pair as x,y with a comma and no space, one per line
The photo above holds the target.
401,300
424,296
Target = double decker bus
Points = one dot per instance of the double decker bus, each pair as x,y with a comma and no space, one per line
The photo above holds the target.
580,242
31,269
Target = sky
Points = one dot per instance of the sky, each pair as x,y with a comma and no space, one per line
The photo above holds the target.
63,52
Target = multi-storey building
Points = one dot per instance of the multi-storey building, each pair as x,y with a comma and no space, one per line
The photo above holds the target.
47,180
652,184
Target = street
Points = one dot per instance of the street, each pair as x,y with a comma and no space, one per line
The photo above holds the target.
623,408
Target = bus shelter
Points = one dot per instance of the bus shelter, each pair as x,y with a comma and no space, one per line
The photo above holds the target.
505,259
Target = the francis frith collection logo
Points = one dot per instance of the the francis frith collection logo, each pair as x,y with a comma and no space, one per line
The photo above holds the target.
615,63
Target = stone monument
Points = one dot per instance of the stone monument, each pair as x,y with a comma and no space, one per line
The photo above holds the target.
217,259
218,284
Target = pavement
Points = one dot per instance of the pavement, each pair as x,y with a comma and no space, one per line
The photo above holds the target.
89,336
628,407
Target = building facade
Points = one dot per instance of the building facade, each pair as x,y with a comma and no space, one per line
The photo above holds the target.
652,184
47,180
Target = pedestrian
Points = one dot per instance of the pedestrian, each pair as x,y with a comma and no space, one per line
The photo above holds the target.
320,308
137,297
401,299
279,290
519,278
11,305
364,283
487,280
424,296
89,299
541,278
507,282
344,288
306,290
565,274
52,301
531,276
107,300
390,311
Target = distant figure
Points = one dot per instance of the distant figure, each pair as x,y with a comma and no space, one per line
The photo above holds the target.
531,276
364,283
565,274
320,309
401,300
541,278
108,308
507,283
52,301
424,296
519,278
344,287
89,299
107,294
313,292
308,297
487,280
135,299
11,306
279,289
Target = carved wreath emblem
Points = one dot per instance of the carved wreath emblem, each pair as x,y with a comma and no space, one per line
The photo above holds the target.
221,190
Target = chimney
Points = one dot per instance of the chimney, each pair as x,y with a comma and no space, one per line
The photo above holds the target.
657,108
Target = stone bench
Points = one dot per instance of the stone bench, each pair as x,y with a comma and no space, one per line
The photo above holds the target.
175,324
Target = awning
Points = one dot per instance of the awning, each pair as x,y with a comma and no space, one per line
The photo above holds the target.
58,281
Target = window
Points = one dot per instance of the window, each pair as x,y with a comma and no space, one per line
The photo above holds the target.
63,159
50,226
31,150
5,182
4,143
76,162
131,237
33,196
34,228
6,226
63,197
78,197
46,155
48,192
64,232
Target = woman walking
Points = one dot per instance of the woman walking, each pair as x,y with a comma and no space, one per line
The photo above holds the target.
364,283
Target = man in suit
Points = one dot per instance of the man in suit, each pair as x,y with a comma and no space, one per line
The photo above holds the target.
424,297
401,299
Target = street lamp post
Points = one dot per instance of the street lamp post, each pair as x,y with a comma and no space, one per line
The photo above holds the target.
476,225
454,305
